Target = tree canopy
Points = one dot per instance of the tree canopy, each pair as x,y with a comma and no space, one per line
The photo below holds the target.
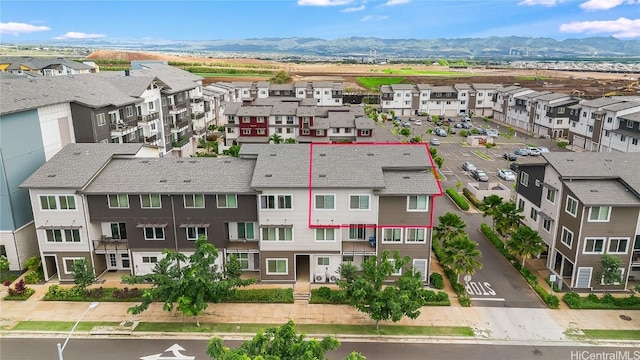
525,242
459,254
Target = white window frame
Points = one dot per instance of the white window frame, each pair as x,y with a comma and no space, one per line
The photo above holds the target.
276,202
150,198
226,201
53,238
71,234
149,259
246,224
553,197
524,178
418,209
323,258
416,231
324,201
562,237
357,228
321,234
196,231
359,208
618,239
154,238
193,199
547,221
50,199
277,234
64,263
589,219
118,199
286,265
129,110
101,120
586,241
393,263
393,229
566,206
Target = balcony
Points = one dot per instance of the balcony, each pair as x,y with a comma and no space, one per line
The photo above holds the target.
177,109
197,116
196,100
122,129
181,143
179,125
149,117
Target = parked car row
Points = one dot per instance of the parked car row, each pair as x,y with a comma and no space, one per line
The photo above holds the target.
480,175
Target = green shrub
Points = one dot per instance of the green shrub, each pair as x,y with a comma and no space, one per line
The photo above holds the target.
33,277
324,295
472,198
284,296
464,133
432,298
562,144
458,199
437,281
19,292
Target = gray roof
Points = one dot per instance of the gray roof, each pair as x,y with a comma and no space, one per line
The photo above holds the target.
402,86
364,123
552,96
485,86
76,164
42,63
280,87
341,119
254,111
176,79
278,165
130,85
622,106
410,183
174,175
232,108
600,102
635,116
602,192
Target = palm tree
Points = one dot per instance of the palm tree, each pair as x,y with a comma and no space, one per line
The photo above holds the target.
507,217
525,242
459,255
449,226
489,207
275,138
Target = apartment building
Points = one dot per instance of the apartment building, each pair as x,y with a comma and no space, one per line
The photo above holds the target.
620,127
551,118
398,98
325,93
288,212
30,66
504,102
586,120
583,212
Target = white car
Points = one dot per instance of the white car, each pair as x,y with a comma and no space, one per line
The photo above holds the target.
418,122
506,174
543,149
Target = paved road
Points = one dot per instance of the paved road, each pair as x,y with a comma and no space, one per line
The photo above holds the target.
134,349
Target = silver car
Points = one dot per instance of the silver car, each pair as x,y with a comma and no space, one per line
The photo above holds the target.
467,166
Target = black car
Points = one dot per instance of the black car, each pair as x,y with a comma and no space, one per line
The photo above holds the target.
510,156
479,175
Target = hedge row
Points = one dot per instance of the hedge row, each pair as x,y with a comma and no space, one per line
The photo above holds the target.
607,301
458,199
472,198
324,295
460,290
281,296
552,301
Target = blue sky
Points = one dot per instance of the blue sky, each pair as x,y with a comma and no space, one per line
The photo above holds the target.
27,20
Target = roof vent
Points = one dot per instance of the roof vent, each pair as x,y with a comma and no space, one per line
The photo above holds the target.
187,180
406,154
227,161
144,161
569,159
77,153
369,154
51,175
180,161
406,177
163,180
272,155
322,175
593,190
323,154
268,175
192,161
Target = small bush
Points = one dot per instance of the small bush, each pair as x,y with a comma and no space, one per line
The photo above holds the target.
562,144
432,298
33,277
437,281
458,199
324,295
464,133
6,282
472,198
19,291
283,296
592,301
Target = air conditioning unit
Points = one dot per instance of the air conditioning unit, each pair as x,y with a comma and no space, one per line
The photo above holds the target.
333,279
320,278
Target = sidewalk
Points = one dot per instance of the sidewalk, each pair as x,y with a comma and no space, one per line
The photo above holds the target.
490,324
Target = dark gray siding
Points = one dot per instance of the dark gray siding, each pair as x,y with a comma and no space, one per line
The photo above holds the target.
533,190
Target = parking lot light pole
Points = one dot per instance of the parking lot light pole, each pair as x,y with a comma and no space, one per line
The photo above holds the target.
61,347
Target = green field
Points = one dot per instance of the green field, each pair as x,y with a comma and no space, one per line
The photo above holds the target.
235,75
409,71
373,83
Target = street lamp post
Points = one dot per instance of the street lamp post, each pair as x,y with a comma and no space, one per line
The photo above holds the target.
61,347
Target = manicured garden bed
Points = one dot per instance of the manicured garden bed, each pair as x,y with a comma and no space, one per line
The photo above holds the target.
592,301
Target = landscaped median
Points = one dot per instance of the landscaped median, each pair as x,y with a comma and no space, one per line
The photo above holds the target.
458,199
234,328
607,301
324,295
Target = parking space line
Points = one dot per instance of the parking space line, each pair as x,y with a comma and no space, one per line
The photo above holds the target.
487,299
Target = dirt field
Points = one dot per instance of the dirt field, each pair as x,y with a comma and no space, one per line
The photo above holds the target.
577,83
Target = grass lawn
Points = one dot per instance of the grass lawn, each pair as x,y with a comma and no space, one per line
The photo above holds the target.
373,83
612,334
482,155
59,325
332,329
410,71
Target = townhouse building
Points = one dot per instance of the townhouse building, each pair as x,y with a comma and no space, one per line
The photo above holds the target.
586,120
30,66
551,118
287,212
583,212
480,101
620,127
398,98
504,101
325,93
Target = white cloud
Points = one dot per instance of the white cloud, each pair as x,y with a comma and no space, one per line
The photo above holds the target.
620,28
540,2
324,2
395,2
78,35
373,18
353,9
16,29
595,5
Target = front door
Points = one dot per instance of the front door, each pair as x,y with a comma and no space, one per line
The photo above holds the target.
118,261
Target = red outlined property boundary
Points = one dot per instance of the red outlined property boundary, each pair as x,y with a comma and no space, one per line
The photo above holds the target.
334,226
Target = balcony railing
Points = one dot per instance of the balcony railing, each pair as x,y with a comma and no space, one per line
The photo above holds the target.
180,143
180,124
197,116
149,117
197,100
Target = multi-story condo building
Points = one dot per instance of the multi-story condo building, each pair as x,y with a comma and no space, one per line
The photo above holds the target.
288,212
399,98
480,102
551,117
620,127
586,120
504,100
30,66
584,205
326,93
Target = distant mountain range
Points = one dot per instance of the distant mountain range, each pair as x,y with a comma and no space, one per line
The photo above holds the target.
511,47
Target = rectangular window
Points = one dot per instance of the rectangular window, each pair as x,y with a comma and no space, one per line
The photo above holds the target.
395,272
48,202
129,111
193,232
194,201
347,258
260,119
260,131
567,237
618,246
243,259
551,195
593,246
366,132
100,120
150,201
357,232
416,236
325,202
630,124
67,202
228,201
72,235
246,119
417,203
118,201
68,264
359,202
599,213
277,266
571,206
149,259
245,231
246,131
533,214
634,141
275,202
277,234
323,261
119,231
524,178
546,224
325,235
54,235
392,235
520,204
154,233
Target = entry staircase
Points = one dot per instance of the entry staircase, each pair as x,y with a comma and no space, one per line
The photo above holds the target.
301,292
